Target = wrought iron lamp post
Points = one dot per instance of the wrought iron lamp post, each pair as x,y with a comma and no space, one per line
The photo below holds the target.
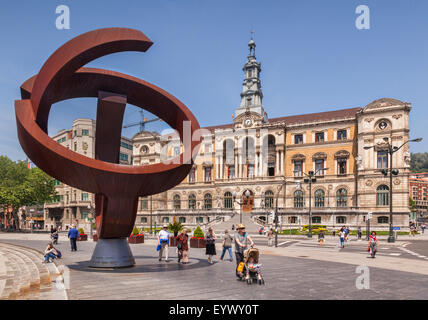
90,217
310,179
391,150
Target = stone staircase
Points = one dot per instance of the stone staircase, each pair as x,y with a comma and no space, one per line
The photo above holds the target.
250,226
24,276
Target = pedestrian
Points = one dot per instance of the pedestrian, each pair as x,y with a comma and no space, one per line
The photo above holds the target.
163,242
346,229
50,253
241,244
321,237
423,228
342,237
210,239
373,244
73,234
183,247
359,233
412,230
270,237
227,245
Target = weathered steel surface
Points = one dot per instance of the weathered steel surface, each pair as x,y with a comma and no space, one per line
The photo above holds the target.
117,187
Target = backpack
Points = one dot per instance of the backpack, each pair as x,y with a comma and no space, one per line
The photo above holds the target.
58,254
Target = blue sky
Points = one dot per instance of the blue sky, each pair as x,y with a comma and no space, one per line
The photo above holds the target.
313,57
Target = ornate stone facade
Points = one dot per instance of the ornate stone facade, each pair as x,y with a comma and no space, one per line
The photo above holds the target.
258,154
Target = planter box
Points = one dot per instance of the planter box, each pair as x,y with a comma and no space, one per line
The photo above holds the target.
197,243
83,237
95,237
133,239
173,241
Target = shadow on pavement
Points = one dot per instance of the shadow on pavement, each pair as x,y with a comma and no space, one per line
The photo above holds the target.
149,265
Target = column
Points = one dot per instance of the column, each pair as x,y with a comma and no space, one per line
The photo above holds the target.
236,166
256,165
282,161
222,168
277,170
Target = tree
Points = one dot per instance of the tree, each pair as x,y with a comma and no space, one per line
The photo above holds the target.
20,186
419,162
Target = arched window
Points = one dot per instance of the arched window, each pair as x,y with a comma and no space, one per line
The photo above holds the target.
382,193
228,200
298,199
269,199
319,198
208,202
192,201
177,202
342,198
382,219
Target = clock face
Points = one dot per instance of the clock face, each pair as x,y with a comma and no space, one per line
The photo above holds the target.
248,122
383,125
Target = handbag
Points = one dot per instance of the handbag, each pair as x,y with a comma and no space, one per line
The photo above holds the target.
179,246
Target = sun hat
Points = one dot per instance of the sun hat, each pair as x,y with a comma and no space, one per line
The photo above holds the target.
240,226
165,226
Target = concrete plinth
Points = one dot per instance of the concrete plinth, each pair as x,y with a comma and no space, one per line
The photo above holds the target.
112,253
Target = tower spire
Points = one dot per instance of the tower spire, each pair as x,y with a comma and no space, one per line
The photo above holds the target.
251,95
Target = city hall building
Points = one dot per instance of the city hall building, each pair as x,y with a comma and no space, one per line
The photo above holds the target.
257,164
262,161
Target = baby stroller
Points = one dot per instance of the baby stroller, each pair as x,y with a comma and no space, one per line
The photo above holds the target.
250,270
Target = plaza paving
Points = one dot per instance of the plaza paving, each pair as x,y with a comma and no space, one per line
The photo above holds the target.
299,270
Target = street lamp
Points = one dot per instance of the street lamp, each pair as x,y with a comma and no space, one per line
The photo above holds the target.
90,217
247,194
310,179
391,150
276,212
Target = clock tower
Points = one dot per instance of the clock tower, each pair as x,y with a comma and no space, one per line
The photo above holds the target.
251,95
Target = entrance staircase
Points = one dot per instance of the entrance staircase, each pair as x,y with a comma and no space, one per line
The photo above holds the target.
24,276
250,226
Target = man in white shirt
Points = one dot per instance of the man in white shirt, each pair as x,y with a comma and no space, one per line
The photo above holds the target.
163,242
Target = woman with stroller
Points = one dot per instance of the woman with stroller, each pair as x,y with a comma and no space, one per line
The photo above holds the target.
241,243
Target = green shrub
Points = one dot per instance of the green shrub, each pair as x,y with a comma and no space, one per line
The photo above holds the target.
198,233
81,231
175,227
135,231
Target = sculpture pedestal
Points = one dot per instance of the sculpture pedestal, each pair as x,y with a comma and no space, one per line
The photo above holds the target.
112,253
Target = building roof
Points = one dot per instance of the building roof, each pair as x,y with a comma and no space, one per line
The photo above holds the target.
304,118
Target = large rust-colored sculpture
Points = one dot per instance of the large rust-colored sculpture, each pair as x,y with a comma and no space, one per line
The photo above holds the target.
116,187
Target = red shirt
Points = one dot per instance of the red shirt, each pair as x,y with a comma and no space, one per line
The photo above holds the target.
373,238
